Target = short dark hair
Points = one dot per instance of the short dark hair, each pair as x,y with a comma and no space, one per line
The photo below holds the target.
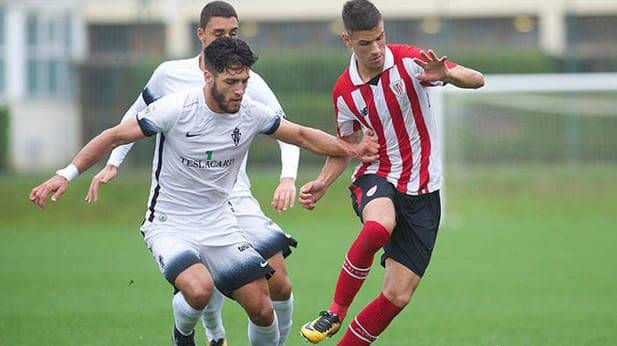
360,15
227,52
216,9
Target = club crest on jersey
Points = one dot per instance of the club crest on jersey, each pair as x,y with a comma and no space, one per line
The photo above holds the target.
236,135
398,87
364,111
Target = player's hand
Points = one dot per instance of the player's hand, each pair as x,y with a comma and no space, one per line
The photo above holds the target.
435,69
367,150
56,184
311,192
284,195
103,177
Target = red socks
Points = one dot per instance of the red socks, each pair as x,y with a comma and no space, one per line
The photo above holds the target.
357,265
371,321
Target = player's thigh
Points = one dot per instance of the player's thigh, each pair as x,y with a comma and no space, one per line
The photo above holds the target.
399,282
196,284
381,210
254,298
413,239
280,286
173,251
373,198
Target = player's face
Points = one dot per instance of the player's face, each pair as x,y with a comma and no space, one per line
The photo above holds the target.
218,27
369,46
228,87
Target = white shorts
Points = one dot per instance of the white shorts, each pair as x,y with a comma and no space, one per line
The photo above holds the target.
231,266
265,235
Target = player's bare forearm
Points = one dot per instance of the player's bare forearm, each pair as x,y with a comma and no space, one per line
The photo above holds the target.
126,132
335,166
314,140
332,169
464,77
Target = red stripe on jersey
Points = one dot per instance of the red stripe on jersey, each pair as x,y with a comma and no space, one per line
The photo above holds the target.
401,133
425,140
384,161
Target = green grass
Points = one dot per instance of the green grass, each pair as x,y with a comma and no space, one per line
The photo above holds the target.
526,256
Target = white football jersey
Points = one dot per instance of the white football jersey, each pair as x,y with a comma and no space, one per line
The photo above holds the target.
179,75
197,158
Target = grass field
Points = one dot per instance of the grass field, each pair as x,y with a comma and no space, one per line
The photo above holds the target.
526,256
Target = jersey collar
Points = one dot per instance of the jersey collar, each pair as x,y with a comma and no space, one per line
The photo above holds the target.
355,74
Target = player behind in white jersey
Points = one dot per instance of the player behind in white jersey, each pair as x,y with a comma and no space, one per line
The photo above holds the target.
202,137
217,19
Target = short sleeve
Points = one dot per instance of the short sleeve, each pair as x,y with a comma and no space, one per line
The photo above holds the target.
155,88
346,122
267,119
159,116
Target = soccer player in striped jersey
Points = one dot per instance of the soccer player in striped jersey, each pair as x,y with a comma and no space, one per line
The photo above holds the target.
203,135
384,89
217,19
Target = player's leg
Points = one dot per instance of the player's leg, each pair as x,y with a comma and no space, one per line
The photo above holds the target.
272,243
195,287
181,265
240,272
212,320
399,284
281,295
372,198
406,257
254,298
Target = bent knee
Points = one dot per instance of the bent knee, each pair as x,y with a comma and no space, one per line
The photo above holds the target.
398,298
280,290
263,315
197,294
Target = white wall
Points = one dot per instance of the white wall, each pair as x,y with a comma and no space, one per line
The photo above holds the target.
43,135
45,129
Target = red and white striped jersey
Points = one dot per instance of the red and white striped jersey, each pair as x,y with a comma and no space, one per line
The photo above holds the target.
396,106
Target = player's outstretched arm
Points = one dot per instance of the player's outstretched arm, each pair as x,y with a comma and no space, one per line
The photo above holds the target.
312,191
125,132
436,69
322,143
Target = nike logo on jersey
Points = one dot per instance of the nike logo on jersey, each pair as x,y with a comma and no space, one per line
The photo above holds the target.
263,264
189,134
371,191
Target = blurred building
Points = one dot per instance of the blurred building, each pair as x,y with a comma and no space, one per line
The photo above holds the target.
40,42
50,47
167,26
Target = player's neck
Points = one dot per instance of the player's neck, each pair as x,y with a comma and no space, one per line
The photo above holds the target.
366,73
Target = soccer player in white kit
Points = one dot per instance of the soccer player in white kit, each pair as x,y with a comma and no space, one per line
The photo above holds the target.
202,137
217,19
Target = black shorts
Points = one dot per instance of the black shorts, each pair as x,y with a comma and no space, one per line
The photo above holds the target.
417,221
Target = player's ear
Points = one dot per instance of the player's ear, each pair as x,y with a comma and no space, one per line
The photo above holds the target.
201,33
209,77
346,39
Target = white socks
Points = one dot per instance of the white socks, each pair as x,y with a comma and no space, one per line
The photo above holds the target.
184,315
212,317
264,336
284,312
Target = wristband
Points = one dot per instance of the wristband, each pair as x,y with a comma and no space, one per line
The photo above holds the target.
69,172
